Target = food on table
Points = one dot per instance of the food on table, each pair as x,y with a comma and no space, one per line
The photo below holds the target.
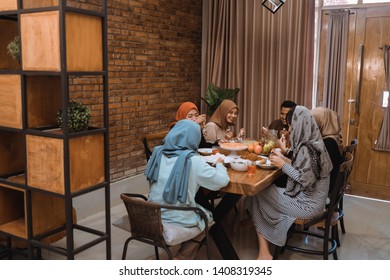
233,146
268,147
258,149
249,156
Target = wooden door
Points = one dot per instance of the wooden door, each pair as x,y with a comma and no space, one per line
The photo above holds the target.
369,30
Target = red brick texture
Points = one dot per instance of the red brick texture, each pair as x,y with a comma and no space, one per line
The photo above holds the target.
154,58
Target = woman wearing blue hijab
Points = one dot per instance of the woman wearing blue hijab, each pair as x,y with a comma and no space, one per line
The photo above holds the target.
176,171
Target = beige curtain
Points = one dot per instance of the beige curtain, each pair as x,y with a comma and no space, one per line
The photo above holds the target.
335,61
383,141
268,56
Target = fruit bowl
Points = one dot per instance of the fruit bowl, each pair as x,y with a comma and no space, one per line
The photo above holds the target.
268,147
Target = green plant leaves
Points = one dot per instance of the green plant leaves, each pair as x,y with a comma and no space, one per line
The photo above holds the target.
215,95
13,48
78,117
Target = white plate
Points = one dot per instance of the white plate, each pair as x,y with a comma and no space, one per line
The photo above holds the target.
213,158
205,151
266,165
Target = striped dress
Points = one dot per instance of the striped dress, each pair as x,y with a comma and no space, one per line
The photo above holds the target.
273,212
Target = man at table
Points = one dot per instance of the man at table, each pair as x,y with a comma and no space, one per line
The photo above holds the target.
280,125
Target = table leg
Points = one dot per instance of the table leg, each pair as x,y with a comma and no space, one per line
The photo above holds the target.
218,233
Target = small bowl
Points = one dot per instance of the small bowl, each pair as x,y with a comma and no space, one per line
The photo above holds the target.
239,165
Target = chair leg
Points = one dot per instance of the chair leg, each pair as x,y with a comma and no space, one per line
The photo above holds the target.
169,253
342,218
156,253
335,234
124,253
335,255
325,251
342,225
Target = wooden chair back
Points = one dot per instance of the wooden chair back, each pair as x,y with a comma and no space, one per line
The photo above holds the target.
152,139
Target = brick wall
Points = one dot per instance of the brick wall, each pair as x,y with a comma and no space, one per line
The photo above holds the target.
154,58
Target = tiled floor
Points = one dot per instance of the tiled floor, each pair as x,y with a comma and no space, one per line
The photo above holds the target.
367,224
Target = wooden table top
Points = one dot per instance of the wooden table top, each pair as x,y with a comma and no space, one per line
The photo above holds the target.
242,183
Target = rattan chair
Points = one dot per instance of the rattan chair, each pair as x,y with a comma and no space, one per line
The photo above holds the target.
146,225
327,221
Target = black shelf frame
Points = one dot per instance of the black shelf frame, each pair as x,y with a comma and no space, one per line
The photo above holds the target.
34,242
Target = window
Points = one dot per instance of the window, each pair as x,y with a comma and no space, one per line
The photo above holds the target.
352,2
339,2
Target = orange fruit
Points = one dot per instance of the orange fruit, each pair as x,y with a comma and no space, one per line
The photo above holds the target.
250,147
258,149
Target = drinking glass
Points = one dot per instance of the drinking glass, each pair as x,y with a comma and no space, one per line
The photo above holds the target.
251,168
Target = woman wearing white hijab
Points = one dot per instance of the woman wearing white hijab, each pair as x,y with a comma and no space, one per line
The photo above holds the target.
176,171
275,209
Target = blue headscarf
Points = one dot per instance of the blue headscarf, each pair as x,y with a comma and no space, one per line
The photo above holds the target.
182,141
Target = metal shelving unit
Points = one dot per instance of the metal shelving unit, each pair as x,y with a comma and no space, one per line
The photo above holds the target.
26,184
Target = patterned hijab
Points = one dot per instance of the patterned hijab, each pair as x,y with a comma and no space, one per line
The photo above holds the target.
329,123
182,141
220,114
305,132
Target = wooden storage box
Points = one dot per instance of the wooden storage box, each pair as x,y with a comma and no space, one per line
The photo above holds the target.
40,39
8,31
45,162
43,100
11,5
48,212
11,153
8,5
11,101
29,4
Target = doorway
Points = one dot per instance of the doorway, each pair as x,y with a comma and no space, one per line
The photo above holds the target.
369,31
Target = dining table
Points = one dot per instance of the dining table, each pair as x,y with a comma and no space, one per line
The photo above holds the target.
241,184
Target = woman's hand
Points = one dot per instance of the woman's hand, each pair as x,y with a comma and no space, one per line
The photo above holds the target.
219,160
201,120
229,134
282,142
277,160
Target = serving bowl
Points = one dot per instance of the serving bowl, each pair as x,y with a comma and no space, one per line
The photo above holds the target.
239,165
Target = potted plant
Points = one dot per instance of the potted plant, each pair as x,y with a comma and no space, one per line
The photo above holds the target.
78,117
45,154
215,95
13,48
